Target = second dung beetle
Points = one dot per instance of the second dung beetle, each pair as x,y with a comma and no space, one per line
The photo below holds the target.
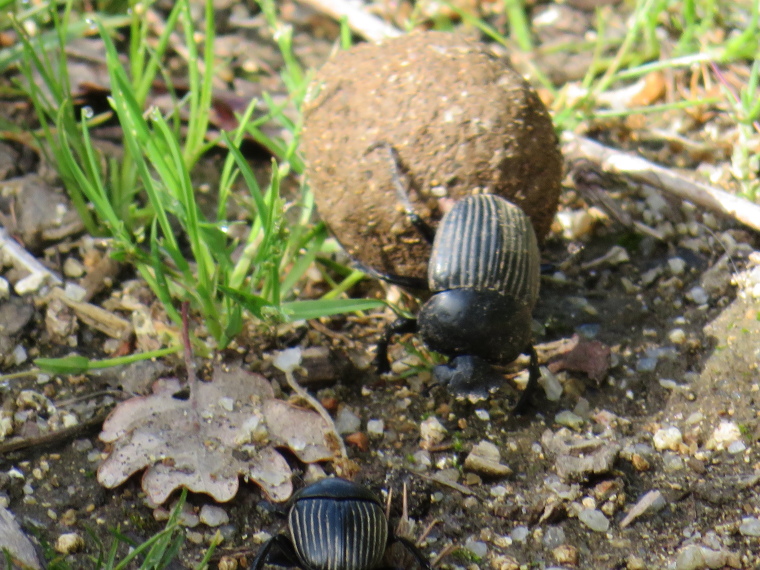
334,524
483,274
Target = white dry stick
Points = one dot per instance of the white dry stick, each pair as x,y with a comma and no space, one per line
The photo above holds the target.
641,170
21,258
360,21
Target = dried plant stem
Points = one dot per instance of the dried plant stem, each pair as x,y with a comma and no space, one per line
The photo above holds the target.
613,161
359,20
314,403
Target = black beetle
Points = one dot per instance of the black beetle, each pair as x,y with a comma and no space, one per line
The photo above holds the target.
335,524
483,273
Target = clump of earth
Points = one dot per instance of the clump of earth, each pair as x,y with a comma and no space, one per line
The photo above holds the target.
460,121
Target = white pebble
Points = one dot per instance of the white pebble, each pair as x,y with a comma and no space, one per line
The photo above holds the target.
698,295
594,519
483,415
375,427
520,533
551,385
212,515
677,265
19,354
736,447
569,419
432,432
750,526
74,292
677,336
668,438
5,289
347,422
724,435
479,549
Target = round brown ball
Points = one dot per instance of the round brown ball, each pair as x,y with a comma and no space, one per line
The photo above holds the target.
461,120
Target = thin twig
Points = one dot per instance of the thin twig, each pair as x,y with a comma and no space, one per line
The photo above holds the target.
54,437
360,21
613,161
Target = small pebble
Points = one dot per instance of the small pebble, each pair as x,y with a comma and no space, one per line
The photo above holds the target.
69,543
483,415
5,289
569,419
498,491
750,526
677,265
554,536
724,435
677,336
75,292
375,427
72,268
652,502
668,438
347,422
646,364
551,385
566,554
479,549
432,432
213,516
19,354
520,533
698,295
594,519
736,447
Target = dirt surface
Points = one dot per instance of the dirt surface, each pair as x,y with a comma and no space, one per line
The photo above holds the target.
653,463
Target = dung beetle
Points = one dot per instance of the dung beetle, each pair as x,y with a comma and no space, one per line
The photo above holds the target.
483,273
335,524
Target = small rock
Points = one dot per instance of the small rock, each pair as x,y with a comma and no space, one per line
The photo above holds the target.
5,289
432,432
422,458
668,438
73,268
724,435
551,385
520,533
677,265
482,415
75,292
569,419
554,536
375,427
594,519
484,459
69,543
566,554
750,526
212,515
677,336
736,447
695,557
698,295
479,549
347,422
652,502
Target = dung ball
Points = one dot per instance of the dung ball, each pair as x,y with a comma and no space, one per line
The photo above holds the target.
461,121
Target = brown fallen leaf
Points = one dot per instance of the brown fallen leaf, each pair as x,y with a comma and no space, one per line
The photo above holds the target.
205,439
589,356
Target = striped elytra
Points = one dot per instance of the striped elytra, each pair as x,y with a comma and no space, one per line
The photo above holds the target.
486,243
338,532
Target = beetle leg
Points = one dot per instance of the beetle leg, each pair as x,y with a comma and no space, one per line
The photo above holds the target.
412,548
530,387
286,549
399,326
401,191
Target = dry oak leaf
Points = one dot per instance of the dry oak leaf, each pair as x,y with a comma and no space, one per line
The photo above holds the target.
206,439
